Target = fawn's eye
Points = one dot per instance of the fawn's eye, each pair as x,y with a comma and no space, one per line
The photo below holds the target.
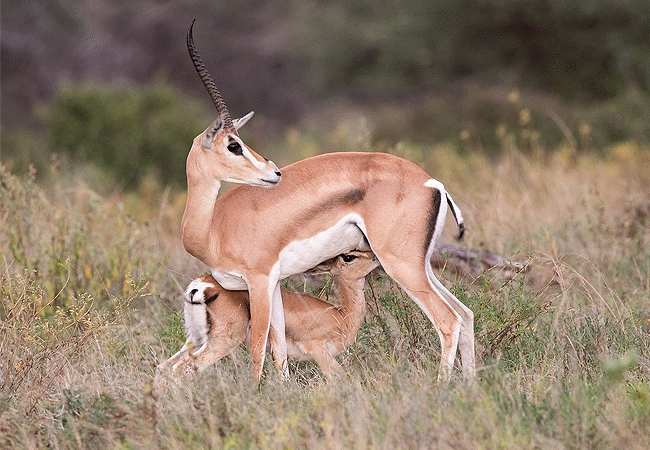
235,148
348,258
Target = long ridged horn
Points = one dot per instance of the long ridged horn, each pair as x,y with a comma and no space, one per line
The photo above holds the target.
207,80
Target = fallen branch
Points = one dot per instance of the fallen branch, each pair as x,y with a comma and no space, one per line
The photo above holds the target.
471,262
464,261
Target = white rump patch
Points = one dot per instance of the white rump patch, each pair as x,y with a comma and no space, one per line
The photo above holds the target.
442,215
196,314
200,286
433,183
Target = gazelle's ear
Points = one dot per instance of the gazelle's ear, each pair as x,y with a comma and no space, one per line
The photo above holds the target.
238,123
210,133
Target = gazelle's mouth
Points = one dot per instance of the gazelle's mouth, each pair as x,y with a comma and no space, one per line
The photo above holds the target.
270,183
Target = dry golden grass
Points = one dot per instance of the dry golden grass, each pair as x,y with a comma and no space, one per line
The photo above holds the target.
91,287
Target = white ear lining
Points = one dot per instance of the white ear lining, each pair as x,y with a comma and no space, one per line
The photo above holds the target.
238,123
211,132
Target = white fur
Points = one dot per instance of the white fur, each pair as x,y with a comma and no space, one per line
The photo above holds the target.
238,123
433,183
233,281
277,321
200,286
442,214
196,314
457,213
342,237
299,256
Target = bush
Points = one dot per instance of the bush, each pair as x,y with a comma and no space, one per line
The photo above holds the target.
128,130
588,50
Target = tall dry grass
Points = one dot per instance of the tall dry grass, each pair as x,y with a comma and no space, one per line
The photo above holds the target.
91,298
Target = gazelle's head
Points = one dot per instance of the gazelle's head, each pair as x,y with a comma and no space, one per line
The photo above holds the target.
219,151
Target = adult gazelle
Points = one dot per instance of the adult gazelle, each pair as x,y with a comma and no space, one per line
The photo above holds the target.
316,209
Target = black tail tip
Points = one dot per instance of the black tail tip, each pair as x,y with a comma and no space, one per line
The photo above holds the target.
461,231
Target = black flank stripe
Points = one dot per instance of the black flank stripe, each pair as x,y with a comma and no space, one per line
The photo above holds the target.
433,219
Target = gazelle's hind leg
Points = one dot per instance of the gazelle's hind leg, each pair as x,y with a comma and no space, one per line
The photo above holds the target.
466,336
220,343
213,353
411,275
164,370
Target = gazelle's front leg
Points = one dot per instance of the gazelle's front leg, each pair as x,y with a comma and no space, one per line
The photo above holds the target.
277,336
267,323
260,300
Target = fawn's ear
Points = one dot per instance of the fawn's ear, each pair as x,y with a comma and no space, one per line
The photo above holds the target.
210,295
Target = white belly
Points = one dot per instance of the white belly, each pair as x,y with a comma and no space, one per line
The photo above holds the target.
299,256
302,255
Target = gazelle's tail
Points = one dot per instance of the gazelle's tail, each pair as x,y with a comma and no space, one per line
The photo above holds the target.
455,210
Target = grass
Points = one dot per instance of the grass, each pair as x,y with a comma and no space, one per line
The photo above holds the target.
91,304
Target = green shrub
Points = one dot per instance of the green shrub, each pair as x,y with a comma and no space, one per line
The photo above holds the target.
127,130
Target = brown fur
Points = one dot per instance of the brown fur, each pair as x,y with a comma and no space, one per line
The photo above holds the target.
243,233
315,329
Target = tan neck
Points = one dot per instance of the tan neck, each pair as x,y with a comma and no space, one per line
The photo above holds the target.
351,295
198,215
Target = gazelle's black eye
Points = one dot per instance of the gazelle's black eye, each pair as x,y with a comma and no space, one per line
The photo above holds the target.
235,148
348,258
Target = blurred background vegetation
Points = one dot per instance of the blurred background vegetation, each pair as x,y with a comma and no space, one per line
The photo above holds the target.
534,113
110,82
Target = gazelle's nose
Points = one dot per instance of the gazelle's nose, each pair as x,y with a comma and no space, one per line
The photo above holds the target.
273,168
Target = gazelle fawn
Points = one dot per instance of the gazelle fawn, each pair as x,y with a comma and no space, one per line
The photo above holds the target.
217,320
